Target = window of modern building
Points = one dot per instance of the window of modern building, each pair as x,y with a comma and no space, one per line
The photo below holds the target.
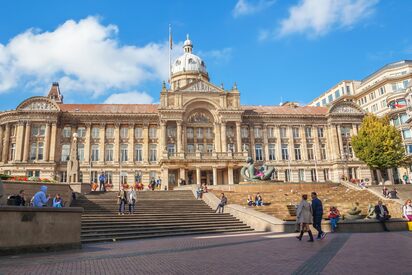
67,132
38,130
95,152
109,152
337,94
323,151
372,96
259,152
403,118
244,132
295,132
95,132
326,174
153,132
152,152
138,152
318,104
330,98
123,152
313,175
382,90
189,132
65,152
80,152
283,133
272,151
308,132
285,151
124,132
298,155
310,152
408,148
258,132
138,132
383,103
109,132
81,132
271,132
348,89
320,132
301,173
406,133
324,102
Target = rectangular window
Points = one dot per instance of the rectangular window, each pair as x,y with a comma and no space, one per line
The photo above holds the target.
348,89
33,173
95,152
406,133
65,152
199,132
40,151
123,152
244,132
271,132
272,151
295,132
408,149
190,148
337,94
298,155
210,148
81,132
287,175
245,147
109,132
382,90
109,152
152,132
171,149
330,98
38,130
283,133
308,132
200,148
171,131
301,173
123,177
209,133
326,174
80,152
189,132
324,102
138,152
313,175
259,152
323,151
285,152
67,132
152,152
124,132
258,132
63,176
33,151
231,147
310,151
230,131
95,132
383,103
320,132
138,132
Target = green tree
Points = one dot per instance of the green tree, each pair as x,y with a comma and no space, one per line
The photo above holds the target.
379,144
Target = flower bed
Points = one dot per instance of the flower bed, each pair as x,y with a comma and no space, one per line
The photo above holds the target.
25,179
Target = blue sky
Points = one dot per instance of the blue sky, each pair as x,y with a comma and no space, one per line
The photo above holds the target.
117,51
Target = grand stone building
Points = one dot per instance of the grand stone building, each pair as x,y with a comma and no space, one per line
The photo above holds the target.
199,132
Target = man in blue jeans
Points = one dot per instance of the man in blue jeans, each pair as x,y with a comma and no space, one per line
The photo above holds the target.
317,210
102,180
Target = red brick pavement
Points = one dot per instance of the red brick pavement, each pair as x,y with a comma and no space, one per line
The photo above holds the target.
268,253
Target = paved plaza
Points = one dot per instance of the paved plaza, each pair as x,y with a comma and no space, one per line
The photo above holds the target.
249,253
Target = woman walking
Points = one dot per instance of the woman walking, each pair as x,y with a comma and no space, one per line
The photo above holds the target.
407,210
132,200
304,217
121,200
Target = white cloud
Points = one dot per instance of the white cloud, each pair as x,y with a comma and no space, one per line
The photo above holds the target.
217,56
318,17
245,7
129,98
83,56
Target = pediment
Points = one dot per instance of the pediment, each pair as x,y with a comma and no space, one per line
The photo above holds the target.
201,86
346,108
38,104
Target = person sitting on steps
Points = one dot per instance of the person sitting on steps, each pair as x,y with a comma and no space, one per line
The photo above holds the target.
407,210
250,201
382,214
221,205
258,200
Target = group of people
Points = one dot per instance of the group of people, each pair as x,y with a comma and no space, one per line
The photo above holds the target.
201,190
40,199
126,197
310,213
257,200
393,194
155,184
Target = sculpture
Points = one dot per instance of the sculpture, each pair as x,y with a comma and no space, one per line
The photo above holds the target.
354,212
250,173
371,212
73,168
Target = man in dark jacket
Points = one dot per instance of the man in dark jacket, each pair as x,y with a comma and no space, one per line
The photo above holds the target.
221,205
382,214
20,199
317,210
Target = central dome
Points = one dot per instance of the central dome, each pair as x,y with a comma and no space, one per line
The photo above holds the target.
188,62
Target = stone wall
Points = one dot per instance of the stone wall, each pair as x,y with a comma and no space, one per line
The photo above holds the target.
27,229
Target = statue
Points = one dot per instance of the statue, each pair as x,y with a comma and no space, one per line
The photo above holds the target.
371,212
73,168
250,173
354,212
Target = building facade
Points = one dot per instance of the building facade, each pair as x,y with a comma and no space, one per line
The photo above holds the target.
198,132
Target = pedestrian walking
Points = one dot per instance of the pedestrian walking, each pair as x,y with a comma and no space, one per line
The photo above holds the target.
304,217
221,205
121,200
132,198
317,211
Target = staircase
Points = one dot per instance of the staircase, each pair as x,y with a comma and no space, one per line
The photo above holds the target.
157,214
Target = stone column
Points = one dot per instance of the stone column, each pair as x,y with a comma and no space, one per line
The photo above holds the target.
162,139
198,176
116,150
238,138
265,143
182,175
19,141
340,142
102,141
214,176
6,143
223,137
278,149
26,151
303,151
130,146
332,142
165,179
1,143
145,143
53,137
179,136
47,143
218,139
87,142
230,175
252,151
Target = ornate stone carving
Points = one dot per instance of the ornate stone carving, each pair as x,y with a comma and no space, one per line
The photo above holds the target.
200,86
40,105
345,109
199,117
